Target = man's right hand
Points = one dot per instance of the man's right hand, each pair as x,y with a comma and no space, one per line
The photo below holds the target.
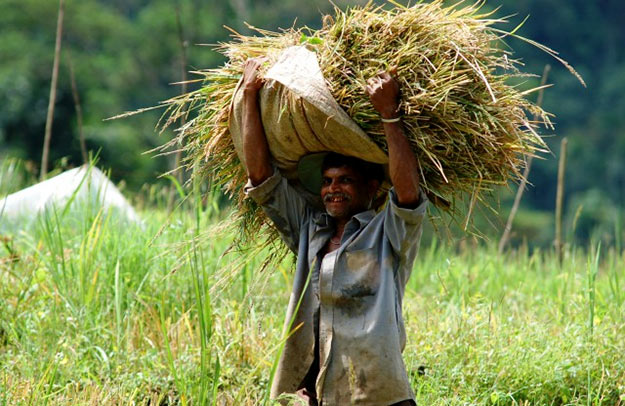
252,82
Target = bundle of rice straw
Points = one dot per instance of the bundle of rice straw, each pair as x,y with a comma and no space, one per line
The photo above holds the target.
467,125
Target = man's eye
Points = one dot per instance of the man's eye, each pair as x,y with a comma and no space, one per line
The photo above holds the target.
325,181
347,180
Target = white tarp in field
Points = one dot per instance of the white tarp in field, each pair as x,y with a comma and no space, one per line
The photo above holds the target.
84,185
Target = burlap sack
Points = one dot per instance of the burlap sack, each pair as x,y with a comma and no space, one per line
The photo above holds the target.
301,117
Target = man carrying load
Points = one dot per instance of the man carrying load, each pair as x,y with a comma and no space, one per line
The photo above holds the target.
344,319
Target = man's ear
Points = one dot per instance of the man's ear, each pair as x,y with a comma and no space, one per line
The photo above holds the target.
372,187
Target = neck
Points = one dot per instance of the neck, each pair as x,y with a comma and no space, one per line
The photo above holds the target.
340,227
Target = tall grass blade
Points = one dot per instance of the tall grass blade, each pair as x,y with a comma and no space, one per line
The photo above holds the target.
593,270
118,307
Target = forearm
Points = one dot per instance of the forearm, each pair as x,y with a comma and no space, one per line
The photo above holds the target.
255,147
403,166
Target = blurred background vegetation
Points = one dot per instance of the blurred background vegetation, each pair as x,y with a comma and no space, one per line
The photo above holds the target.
127,54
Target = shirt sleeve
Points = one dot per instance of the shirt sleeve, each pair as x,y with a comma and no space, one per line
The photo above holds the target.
403,226
286,208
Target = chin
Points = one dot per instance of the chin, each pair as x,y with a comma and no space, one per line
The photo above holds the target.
336,213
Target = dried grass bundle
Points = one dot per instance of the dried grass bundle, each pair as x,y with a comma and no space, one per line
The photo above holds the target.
467,124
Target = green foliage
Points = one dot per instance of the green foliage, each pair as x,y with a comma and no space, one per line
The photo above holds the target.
14,176
588,35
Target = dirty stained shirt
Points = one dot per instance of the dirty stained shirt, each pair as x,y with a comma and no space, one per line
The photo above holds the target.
354,293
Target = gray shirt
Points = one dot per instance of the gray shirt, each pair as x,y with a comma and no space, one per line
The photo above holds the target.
355,294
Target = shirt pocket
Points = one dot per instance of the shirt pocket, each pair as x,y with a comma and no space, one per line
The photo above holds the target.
359,278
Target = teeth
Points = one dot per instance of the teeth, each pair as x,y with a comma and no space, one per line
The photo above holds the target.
336,199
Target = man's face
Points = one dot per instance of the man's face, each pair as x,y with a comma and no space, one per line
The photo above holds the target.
345,192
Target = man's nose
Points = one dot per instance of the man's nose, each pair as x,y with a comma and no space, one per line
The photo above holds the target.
334,186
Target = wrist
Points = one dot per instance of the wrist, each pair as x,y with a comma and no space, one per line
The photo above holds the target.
391,120
389,113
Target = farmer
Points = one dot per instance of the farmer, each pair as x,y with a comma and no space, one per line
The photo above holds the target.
344,317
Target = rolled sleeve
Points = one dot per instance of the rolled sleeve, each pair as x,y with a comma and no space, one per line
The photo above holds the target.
262,192
410,216
403,225
286,208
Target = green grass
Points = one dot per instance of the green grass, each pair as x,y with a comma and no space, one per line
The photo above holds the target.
94,311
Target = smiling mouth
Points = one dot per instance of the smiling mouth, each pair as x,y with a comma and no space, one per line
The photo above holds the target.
336,198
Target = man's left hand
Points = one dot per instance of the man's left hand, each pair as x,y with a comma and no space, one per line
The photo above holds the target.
383,90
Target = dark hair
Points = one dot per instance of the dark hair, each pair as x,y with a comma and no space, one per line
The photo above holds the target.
369,170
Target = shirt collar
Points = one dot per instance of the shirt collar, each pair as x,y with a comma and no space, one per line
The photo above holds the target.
365,217
325,220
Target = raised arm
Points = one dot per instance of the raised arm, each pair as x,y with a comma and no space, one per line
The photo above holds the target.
403,166
255,147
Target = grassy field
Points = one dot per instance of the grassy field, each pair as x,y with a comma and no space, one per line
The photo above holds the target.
94,311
